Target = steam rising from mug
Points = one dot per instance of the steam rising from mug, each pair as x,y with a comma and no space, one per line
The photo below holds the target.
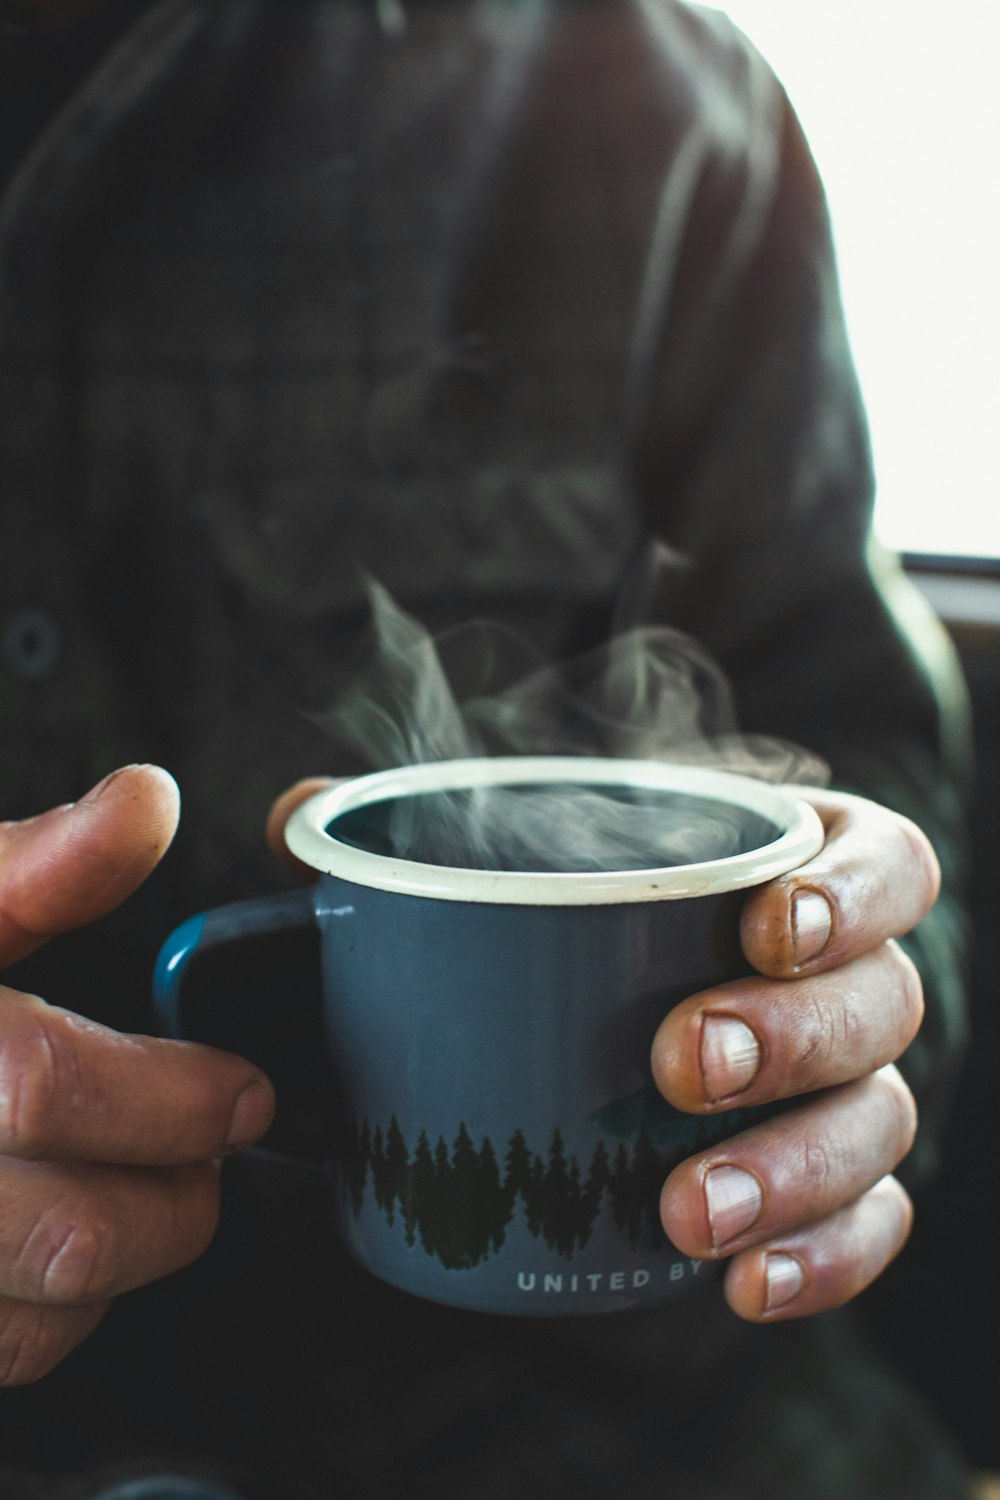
650,693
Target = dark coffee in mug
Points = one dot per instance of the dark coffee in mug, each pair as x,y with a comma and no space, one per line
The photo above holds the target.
553,827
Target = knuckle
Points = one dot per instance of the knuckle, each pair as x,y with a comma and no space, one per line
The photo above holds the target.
818,1167
74,1258
35,1080
854,1023
819,1032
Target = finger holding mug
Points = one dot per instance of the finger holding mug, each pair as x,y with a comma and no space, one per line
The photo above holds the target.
835,1003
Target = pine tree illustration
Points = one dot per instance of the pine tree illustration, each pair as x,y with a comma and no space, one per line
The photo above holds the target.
534,1197
439,1197
557,1199
418,1207
491,1212
517,1167
597,1179
618,1185
644,1193
462,1191
378,1167
396,1161
591,1194
578,1231
460,1203
455,1180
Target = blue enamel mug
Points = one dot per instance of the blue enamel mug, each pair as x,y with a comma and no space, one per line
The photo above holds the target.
499,1144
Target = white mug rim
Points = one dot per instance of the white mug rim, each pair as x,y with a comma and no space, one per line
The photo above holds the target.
307,837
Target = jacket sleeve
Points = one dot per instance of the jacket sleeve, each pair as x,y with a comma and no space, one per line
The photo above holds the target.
754,465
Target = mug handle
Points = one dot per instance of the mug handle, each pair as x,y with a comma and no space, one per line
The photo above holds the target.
210,929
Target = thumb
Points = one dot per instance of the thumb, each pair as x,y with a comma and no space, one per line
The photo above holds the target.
75,863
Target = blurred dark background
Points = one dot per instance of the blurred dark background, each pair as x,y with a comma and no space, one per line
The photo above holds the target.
937,1312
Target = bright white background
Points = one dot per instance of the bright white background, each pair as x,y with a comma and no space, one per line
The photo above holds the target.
899,100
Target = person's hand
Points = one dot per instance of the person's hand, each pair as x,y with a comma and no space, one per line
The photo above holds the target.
108,1143
804,1206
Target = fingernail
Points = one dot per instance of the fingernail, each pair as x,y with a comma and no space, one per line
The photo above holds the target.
812,924
251,1116
734,1200
784,1278
730,1056
96,792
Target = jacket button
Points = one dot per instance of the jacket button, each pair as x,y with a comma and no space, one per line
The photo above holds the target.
31,645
